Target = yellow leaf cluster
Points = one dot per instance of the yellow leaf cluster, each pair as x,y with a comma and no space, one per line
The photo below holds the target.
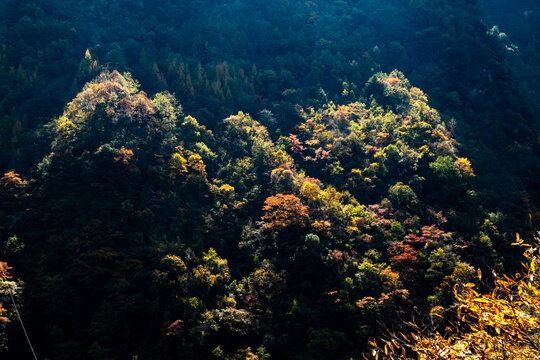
226,189
464,166
503,324
310,191
178,163
196,163
279,158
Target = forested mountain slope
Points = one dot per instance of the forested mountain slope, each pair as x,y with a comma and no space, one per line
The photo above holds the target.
272,188
152,235
251,56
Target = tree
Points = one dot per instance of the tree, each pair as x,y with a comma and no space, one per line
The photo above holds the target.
446,169
284,211
404,259
402,196
4,313
502,324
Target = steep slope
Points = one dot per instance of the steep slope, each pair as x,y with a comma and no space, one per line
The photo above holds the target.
154,236
251,56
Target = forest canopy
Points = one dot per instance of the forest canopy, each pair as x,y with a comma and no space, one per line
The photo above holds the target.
256,180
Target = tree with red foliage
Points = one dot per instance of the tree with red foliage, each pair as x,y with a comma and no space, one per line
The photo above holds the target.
4,277
404,259
296,145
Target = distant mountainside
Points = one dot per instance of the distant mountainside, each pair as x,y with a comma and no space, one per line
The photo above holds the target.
518,25
252,56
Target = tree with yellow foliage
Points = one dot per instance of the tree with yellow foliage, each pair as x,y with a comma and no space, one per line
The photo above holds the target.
503,324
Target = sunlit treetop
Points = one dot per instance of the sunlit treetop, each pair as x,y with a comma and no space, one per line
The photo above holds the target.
112,110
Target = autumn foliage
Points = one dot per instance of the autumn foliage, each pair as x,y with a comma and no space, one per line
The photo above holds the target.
265,191
10,184
502,324
284,211
4,276
206,244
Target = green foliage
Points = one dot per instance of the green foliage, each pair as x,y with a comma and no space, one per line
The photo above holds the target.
402,196
160,230
444,168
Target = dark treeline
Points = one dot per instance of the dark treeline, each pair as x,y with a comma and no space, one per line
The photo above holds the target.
253,179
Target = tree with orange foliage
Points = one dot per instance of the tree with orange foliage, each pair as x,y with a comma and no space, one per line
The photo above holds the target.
284,211
11,183
124,156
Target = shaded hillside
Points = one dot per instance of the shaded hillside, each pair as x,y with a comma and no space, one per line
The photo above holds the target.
273,187
152,235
